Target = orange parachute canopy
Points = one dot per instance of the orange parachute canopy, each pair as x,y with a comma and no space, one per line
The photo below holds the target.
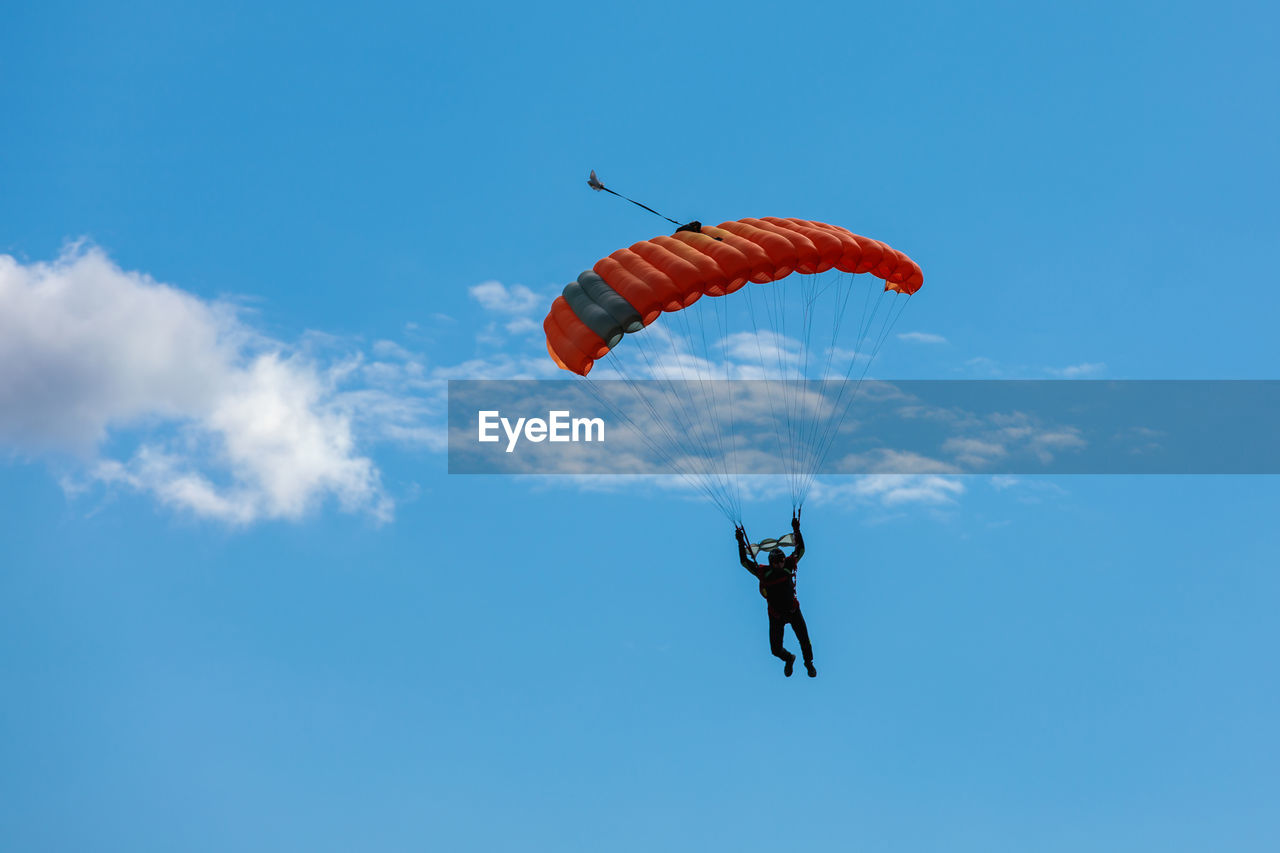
630,288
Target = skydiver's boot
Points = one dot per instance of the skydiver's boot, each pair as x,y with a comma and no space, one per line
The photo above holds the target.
790,665
813,671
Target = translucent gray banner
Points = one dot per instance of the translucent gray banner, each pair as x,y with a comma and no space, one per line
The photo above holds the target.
910,427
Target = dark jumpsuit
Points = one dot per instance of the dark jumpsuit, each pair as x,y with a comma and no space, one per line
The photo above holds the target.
778,586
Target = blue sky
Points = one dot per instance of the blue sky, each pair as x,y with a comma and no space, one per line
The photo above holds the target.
242,605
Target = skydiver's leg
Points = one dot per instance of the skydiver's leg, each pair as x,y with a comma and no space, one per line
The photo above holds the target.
802,634
776,625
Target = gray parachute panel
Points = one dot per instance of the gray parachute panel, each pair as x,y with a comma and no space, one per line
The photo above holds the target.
601,308
611,301
592,315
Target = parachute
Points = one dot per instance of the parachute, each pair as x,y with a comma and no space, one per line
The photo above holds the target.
630,288
610,312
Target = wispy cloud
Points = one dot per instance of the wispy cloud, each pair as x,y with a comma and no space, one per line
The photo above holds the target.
974,452
886,491
1078,371
921,338
983,367
1027,490
499,298
892,490
885,461
988,368
522,326
763,347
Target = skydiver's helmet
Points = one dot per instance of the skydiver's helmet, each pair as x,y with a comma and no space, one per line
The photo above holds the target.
776,556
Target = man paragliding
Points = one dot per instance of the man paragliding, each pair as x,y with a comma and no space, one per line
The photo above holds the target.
778,586
716,282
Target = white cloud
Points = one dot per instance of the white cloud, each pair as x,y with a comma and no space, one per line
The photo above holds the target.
892,490
989,368
1045,444
773,351
84,345
973,452
1026,490
973,447
921,338
887,491
501,365
986,367
223,422
1077,371
886,461
522,326
497,297
841,363
392,350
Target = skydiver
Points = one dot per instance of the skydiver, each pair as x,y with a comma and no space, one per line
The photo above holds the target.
778,586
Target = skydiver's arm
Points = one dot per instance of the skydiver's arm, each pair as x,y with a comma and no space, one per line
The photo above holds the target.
795,528
743,556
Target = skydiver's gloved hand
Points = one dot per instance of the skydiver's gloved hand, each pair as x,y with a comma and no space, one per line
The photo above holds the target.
795,523
739,535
